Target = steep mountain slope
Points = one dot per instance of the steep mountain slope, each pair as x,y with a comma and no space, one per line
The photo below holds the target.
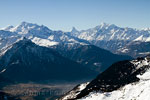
7,38
112,37
117,82
26,61
93,57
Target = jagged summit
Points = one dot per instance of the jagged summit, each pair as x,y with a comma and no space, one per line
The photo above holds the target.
103,24
26,27
74,32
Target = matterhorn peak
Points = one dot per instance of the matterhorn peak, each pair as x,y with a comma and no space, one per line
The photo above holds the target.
74,29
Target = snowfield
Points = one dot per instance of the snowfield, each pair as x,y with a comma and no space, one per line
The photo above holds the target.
134,91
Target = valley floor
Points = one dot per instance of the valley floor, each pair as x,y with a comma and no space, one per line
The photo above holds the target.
36,91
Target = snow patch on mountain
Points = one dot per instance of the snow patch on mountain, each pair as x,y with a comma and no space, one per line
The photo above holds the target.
44,42
141,63
3,71
142,39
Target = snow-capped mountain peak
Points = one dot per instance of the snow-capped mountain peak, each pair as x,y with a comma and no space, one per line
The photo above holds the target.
104,25
26,27
74,32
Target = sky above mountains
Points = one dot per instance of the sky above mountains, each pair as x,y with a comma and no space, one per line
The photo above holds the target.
83,14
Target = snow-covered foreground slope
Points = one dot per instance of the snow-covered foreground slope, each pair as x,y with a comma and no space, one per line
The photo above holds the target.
127,80
135,91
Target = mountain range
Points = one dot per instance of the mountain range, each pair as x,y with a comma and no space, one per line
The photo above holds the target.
30,48
116,39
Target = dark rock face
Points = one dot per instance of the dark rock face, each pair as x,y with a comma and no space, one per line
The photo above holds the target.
116,76
26,61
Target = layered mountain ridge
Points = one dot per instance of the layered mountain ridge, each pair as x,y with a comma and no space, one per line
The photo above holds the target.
107,36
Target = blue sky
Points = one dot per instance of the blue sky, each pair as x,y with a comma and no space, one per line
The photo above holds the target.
83,14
